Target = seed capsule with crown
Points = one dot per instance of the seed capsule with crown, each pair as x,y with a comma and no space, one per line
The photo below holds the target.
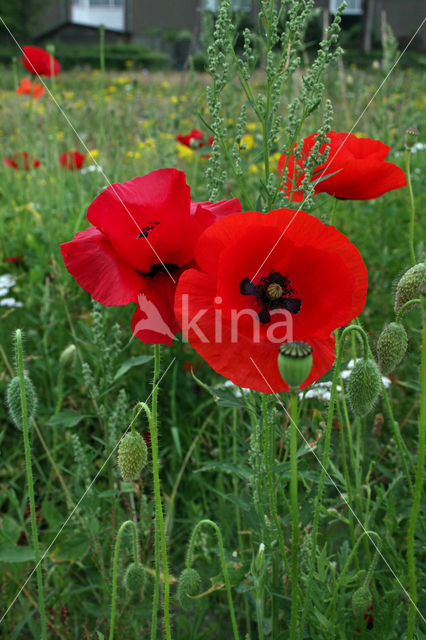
295,362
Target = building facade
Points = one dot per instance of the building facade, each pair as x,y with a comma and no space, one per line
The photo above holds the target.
138,19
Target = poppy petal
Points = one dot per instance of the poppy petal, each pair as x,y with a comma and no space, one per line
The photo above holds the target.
234,354
92,261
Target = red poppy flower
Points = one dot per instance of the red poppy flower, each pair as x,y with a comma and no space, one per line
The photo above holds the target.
21,160
13,259
195,139
264,280
358,164
71,160
143,236
34,89
39,62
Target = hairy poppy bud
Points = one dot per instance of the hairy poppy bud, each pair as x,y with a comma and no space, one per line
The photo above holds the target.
410,136
189,585
361,601
391,347
134,578
363,386
14,400
132,456
409,284
295,362
67,356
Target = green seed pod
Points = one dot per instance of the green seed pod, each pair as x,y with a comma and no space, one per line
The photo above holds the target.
189,585
361,601
295,362
67,357
391,347
132,456
14,400
134,578
363,386
409,284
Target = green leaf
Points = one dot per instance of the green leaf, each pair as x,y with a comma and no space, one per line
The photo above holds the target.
71,549
12,553
239,470
65,418
130,363
223,397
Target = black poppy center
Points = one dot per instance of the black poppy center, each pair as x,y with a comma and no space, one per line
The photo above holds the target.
273,292
163,267
147,230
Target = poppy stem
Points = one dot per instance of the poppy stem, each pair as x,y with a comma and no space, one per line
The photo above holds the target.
127,523
101,83
189,557
294,516
412,207
27,447
417,488
160,534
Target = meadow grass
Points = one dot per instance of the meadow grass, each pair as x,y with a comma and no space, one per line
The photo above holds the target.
129,121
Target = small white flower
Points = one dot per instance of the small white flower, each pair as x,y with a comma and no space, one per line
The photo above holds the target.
10,302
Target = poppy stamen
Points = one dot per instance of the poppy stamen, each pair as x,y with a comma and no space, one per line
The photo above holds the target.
273,292
147,230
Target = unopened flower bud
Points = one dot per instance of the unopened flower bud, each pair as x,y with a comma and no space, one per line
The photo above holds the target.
410,136
134,578
67,357
189,585
295,362
14,400
391,347
361,601
132,456
363,386
409,285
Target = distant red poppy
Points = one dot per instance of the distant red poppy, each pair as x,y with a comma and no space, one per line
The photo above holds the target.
34,89
21,160
264,280
71,160
13,259
358,164
143,238
39,62
195,139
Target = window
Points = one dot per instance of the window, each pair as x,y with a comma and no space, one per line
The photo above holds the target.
95,12
354,7
106,3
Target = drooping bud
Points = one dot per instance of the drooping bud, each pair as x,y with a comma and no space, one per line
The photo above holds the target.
361,601
410,136
189,585
132,456
295,362
391,347
409,284
363,386
67,357
134,578
14,400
